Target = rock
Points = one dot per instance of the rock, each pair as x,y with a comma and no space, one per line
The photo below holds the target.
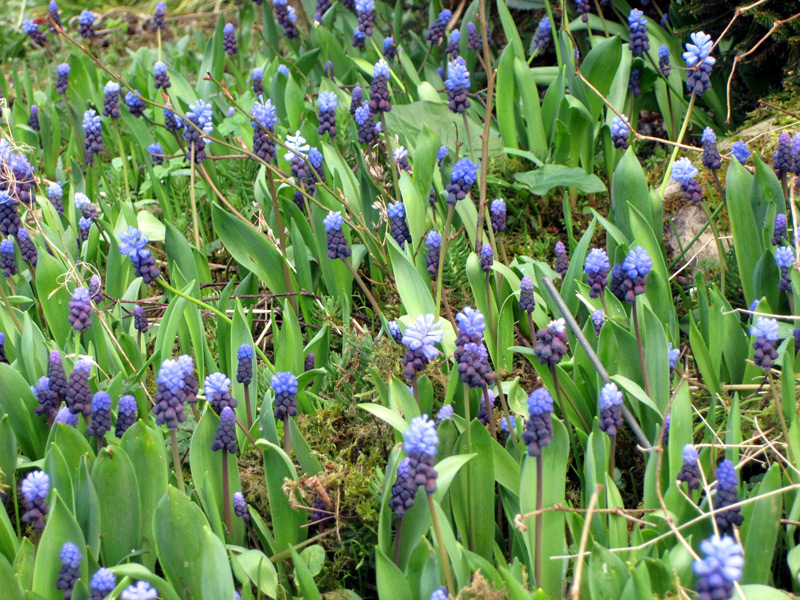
687,222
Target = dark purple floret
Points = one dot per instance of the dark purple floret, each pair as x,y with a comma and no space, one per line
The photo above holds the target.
365,13
218,392
690,469
379,99
639,42
562,260
487,258
55,15
711,157
582,7
692,190
101,415
78,395
527,301
368,129
240,506
35,488
134,103
433,241
28,250
486,413
244,370
47,399
57,376
766,336
172,122
93,144
453,44
356,98
322,8
399,227
80,310
127,412
551,343
9,215
36,35
421,444
17,178
617,278
783,161
462,178
727,494
96,289
779,232
538,431
286,17
498,215
610,409
226,433
8,258
158,16
86,24
111,100
663,60
667,423
327,114
170,395
62,78
698,81
473,365
435,33
284,384
457,84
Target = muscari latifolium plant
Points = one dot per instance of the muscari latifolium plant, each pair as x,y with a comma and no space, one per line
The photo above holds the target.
268,330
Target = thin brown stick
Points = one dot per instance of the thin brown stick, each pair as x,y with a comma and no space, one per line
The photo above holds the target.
575,592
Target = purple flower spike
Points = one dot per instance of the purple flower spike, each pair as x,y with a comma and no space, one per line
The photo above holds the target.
285,387
70,572
127,412
538,431
170,395
226,432
35,488
720,568
421,443
610,404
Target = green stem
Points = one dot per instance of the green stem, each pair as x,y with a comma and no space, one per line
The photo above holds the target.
375,308
507,415
776,396
195,223
397,535
442,551
489,303
612,456
486,130
490,413
281,236
287,443
247,404
537,565
199,303
675,150
226,491
469,137
123,158
553,31
445,242
470,516
638,334
176,460
9,308
390,156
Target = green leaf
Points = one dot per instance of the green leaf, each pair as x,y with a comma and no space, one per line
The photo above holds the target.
531,107
629,188
18,402
260,570
760,528
53,296
304,579
743,226
120,512
387,415
600,67
510,29
392,582
216,578
138,572
447,470
760,592
541,181
507,98
413,289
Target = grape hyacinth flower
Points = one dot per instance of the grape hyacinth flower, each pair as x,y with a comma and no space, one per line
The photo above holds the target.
111,100
96,289
229,40
70,572
55,14
637,23
9,215
433,241
35,488
94,135
379,100
3,357
487,258
140,591
497,212
47,399
258,81
663,60
779,231
356,98
389,49
596,267
399,228
766,333
551,343
102,584
784,258
635,83
33,120
240,506
316,173
720,569
699,63
162,77
359,38
394,331
435,33
225,438
298,148
101,415
127,412
244,370
400,155
446,412
598,320
158,16
172,121
727,494
404,490
667,423
421,444
635,268
283,69
582,7
486,411
132,244
156,153
419,339
538,431
471,326
86,24
78,396
337,244
620,128
562,260
218,391
191,387
66,418
527,302
8,259
711,157
55,194
673,354
135,103
439,594
80,310
783,161
740,151
365,13
287,18
36,35
543,36
690,470
56,376
453,44
463,176
610,404
473,365
327,103
170,395
457,84
685,173
284,384
367,128
443,153
200,114
264,120
62,78
322,8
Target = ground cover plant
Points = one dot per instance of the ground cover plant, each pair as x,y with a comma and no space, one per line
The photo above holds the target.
375,300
